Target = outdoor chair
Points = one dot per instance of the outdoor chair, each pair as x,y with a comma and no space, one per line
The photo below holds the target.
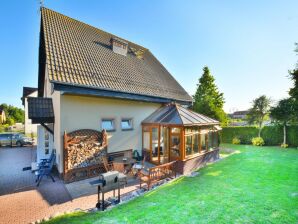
45,170
140,166
44,162
107,165
136,155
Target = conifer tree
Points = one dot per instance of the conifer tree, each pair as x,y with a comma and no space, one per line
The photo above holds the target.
207,99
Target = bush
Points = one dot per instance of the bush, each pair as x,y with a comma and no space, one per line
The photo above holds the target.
284,145
236,141
258,141
245,134
272,135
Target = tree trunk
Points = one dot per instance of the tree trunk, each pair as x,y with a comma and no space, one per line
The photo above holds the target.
260,129
285,134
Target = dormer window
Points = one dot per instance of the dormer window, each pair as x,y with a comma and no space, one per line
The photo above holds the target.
119,46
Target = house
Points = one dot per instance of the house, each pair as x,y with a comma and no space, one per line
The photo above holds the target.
239,114
28,126
91,80
2,116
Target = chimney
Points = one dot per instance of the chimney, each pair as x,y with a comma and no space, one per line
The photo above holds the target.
119,46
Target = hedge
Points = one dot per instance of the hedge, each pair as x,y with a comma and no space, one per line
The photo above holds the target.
272,135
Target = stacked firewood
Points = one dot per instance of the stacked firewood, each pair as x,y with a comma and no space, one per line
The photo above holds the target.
84,151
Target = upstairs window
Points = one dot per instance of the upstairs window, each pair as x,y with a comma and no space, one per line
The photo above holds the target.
108,124
126,124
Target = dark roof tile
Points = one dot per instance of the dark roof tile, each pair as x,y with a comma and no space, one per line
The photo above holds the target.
79,54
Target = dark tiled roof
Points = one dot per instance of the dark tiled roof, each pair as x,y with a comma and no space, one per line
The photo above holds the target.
242,112
177,115
27,91
40,110
79,54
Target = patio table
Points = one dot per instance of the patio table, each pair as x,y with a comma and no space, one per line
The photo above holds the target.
127,161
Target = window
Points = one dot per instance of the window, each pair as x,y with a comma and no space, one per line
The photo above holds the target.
175,130
191,141
46,143
108,124
203,142
126,124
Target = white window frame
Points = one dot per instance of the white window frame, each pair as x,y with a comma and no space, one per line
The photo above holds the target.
130,121
113,123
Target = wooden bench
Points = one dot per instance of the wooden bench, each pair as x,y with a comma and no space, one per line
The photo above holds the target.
113,155
157,173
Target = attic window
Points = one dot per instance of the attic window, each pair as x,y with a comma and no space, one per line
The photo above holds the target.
119,46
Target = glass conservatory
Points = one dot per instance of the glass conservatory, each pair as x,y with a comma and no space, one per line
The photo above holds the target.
174,133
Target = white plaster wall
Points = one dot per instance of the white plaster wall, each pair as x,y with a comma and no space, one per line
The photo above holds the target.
55,95
29,127
57,130
41,143
79,112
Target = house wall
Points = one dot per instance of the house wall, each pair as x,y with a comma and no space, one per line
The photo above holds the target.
188,165
83,112
55,95
29,127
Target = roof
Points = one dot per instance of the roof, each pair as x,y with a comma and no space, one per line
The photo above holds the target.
175,114
40,110
27,91
242,112
78,54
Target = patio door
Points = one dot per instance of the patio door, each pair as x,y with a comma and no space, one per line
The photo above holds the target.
154,145
175,144
164,145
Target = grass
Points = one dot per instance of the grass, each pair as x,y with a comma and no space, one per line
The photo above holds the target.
253,185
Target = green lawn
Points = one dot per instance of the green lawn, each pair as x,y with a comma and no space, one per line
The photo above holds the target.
255,185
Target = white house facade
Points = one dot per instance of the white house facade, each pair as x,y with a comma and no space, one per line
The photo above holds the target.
93,80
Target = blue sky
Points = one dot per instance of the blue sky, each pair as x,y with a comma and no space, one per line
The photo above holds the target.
248,45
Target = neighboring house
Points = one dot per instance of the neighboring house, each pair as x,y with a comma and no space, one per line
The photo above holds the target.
29,127
91,79
239,114
2,116
16,127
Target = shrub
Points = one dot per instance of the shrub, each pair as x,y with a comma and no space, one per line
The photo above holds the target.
236,141
284,145
258,141
245,134
272,135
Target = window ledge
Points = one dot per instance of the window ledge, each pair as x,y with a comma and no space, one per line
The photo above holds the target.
111,130
127,129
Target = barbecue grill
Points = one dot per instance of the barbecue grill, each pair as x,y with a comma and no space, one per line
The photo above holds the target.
109,181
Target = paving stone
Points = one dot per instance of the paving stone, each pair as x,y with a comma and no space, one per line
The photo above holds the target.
22,202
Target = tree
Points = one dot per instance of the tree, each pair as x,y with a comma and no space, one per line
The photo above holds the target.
207,99
283,113
260,109
13,114
294,91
